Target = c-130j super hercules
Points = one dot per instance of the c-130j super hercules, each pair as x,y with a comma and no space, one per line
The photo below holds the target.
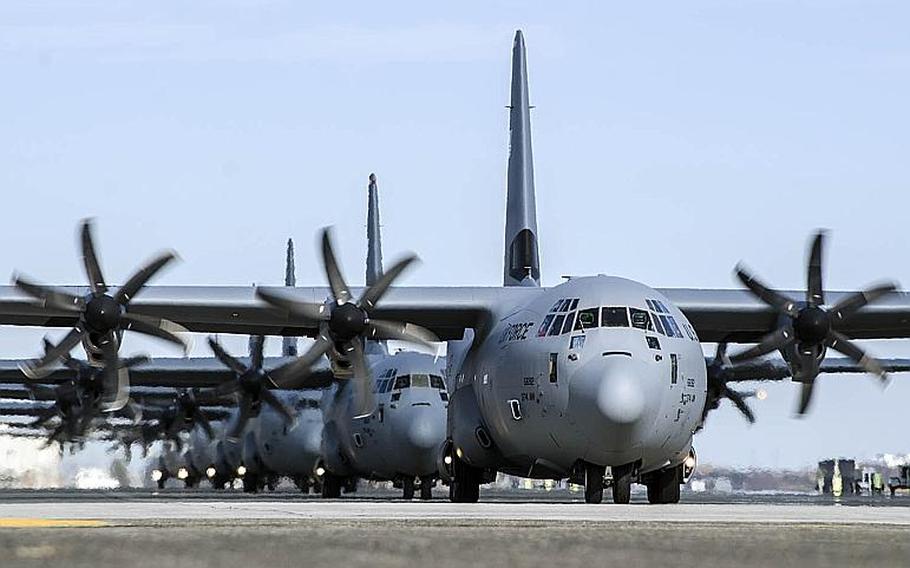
595,374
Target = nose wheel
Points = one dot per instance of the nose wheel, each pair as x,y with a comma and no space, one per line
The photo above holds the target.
622,484
663,485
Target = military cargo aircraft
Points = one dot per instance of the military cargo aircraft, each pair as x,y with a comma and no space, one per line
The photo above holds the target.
548,382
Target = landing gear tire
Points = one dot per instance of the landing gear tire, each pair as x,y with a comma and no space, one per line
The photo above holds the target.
465,485
663,487
250,483
331,486
407,488
426,488
622,484
594,483
161,482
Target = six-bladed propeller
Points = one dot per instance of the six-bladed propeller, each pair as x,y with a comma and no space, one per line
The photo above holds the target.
343,326
102,316
251,385
808,327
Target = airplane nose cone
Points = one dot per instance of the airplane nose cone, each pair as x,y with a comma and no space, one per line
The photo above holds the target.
423,434
620,398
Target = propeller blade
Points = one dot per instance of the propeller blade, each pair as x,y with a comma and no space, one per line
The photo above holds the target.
314,312
36,369
720,355
815,292
805,397
766,294
177,422
203,421
840,343
246,410
156,327
134,361
226,358
384,329
138,280
374,293
855,302
49,296
294,374
90,260
281,408
339,287
257,348
227,388
739,400
772,342
364,399
116,380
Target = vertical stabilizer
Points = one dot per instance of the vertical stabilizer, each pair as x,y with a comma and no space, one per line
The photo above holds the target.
522,263
289,344
374,238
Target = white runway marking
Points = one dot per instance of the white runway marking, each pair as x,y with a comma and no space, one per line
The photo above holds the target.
359,510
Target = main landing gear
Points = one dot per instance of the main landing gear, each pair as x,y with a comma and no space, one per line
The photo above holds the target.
621,484
663,485
465,484
594,483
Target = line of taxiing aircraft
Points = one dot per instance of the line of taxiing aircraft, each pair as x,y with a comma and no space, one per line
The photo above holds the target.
599,380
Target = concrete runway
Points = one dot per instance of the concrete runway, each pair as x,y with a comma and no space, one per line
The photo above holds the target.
208,529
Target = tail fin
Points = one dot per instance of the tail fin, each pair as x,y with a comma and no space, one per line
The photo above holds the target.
289,344
522,262
374,238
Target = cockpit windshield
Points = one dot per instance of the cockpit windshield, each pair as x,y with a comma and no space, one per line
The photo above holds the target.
419,380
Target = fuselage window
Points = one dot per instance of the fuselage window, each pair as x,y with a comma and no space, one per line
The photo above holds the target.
661,307
437,382
651,305
587,318
557,325
674,368
574,304
676,331
420,380
552,367
570,320
615,317
657,324
515,407
544,326
565,305
666,324
577,342
403,382
653,342
641,319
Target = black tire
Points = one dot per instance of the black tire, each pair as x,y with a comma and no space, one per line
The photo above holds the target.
407,486
663,487
161,482
250,483
331,486
622,484
594,483
465,485
426,488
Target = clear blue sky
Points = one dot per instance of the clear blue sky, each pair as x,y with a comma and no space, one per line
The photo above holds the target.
671,140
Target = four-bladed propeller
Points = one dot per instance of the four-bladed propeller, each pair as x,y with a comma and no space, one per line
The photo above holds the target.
251,385
343,326
101,315
808,327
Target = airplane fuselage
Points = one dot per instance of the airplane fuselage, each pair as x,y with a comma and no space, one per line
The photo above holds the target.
600,370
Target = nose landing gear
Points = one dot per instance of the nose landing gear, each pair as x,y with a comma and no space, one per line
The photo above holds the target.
594,483
663,485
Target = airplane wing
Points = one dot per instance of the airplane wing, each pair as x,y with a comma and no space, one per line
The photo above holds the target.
202,372
446,311
776,369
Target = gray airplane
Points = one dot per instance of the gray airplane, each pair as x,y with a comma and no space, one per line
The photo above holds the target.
595,374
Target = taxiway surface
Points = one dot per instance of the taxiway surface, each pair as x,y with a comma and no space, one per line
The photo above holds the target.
205,529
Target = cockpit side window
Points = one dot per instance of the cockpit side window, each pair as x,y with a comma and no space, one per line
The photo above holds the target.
615,317
570,320
657,324
641,319
555,307
403,382
574,304
587,318
437,382
557,325
544,325
676,331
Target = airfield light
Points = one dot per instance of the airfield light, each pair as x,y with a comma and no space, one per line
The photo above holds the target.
241,471
761,394
182,473
320,471
210,472
157,475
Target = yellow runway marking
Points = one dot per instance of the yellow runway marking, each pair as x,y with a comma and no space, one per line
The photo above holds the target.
26,523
